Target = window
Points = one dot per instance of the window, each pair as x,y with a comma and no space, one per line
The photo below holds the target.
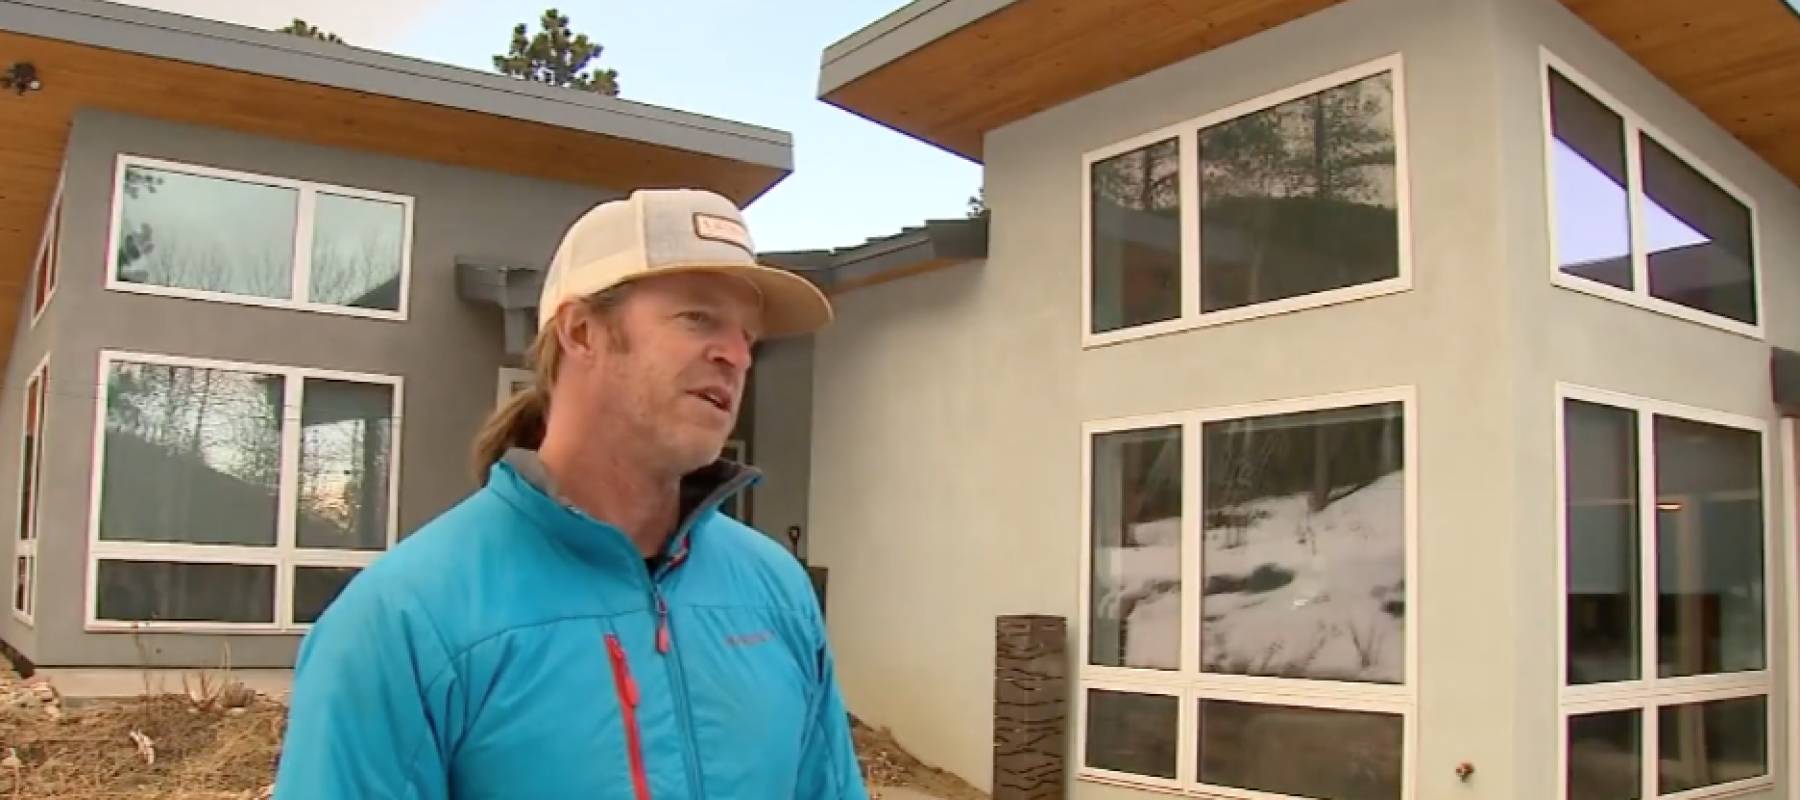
513,381
1633,219
1245,588
1290,201
236,496
196,232
31,457
43,280
1665,625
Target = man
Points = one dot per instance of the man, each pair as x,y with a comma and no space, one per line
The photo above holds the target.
588,625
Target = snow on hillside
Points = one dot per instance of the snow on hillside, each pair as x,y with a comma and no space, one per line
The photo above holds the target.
1289,593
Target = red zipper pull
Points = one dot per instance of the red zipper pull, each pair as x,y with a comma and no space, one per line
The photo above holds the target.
662,625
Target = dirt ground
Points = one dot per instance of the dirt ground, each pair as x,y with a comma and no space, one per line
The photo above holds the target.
220,742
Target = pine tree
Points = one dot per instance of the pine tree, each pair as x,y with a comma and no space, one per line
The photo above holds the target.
557,56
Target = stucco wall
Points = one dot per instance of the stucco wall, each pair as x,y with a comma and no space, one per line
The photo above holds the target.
1562,335
948,407
447,352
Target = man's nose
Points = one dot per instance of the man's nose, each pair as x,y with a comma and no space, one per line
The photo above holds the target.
732,351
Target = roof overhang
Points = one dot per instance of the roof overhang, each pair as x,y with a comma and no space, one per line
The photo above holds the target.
938,244
91,54
949,71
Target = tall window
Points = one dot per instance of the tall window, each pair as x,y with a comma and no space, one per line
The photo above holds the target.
1246,600
31,457
1665,629
237,495
43,280
188,231
1290,201
1634,220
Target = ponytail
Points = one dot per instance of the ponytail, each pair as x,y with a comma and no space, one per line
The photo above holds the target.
518,423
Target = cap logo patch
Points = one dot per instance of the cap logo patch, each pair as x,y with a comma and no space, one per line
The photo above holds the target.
722,229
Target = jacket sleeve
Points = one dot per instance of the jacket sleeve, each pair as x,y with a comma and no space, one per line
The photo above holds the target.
372,689
829,769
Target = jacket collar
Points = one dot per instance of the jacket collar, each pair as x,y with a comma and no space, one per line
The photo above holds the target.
521,477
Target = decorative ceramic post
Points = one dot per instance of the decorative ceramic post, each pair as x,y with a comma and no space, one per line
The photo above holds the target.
1030,707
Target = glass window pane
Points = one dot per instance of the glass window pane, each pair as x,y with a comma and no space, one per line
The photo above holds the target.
1600,444
316,587
29,456
1134,733
143,591
212,234
1593,218
346,447
358,248
191,455
1698,238
1304,752
1709,534
1704,744
1300,198
22,584
1135,612
1606,756
1136,237
1305,545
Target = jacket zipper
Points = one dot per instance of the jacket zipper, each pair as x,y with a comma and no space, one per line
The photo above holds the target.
628,702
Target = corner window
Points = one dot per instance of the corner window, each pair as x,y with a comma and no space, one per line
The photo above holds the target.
195,232
43,275
31,457
1290,201
1665,628
237,495
1632,219
1245,592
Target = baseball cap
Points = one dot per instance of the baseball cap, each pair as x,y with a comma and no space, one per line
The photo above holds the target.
671,231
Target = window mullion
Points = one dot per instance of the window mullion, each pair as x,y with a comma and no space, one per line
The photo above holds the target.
1649,742
1188,174
288,496
1648,558
303,241
1191,546
1634,200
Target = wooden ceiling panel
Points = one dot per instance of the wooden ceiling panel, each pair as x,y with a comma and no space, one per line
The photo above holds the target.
1037,54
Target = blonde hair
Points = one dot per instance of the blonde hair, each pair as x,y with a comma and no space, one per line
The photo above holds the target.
522,419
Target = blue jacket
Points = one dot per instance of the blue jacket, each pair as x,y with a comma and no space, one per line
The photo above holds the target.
516,648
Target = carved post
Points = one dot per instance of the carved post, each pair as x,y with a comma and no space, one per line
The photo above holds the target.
1030,707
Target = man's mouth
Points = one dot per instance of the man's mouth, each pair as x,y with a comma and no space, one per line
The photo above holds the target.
719,397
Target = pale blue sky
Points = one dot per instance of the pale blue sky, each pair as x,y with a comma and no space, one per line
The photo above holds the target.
727,58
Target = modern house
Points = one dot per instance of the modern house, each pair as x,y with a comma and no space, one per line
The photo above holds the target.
1396,398
258,293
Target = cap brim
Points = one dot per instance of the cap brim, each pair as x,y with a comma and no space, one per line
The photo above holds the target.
792,305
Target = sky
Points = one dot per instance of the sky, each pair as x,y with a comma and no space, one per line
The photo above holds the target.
734,59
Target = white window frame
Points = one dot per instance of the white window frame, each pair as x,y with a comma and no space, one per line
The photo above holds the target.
301,273
1187,133
1650,692
1790,532
49,256
1639,294
1189,683
503,392
32,470
285,555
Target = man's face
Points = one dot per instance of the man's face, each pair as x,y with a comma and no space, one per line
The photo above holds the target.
666,376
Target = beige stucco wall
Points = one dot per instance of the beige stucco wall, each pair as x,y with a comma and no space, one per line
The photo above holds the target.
1561,335
948,408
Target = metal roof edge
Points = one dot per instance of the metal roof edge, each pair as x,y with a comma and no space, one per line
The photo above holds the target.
176,37
955,240
886,40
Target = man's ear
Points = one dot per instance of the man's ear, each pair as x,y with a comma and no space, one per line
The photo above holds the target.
575,332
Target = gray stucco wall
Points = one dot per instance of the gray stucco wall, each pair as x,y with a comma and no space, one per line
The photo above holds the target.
447,352
1566,336
782,436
